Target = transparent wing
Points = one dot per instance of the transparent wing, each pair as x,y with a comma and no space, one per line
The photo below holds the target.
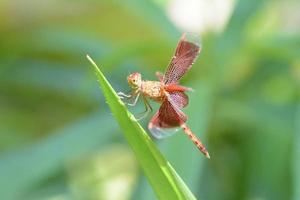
167,120
160,133
186,52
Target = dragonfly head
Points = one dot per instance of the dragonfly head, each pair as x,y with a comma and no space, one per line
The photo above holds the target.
135,80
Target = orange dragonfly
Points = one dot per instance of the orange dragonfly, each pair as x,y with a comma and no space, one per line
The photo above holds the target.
167,91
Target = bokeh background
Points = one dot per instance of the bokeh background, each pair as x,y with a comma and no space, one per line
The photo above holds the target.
59,141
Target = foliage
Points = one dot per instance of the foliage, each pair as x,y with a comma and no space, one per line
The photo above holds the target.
245,106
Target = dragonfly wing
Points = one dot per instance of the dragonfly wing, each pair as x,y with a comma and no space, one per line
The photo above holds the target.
167,120
180,99
160,133
186,52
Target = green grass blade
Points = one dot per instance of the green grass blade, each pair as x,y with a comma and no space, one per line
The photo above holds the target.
165,181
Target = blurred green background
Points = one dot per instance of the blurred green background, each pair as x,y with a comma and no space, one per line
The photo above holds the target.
59,141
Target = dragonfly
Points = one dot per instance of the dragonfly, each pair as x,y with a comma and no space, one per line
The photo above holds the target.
168,92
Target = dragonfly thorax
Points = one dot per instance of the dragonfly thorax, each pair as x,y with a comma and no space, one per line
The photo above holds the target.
154,90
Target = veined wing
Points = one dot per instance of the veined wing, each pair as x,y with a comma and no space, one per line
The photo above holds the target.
180,99
186,52
167,120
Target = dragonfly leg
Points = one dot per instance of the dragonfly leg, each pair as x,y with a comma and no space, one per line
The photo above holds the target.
160,76
147,111
123,95
135,100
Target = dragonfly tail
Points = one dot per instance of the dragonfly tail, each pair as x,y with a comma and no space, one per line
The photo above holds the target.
195,140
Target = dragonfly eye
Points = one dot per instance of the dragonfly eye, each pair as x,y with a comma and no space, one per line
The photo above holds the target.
134,79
